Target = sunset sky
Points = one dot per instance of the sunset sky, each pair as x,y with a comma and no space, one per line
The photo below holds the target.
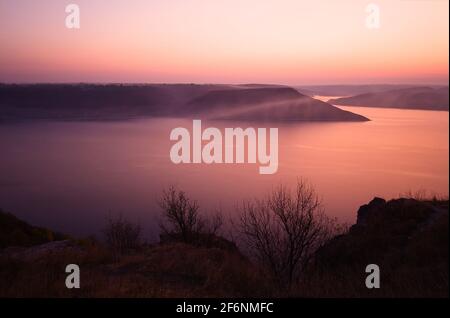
225,41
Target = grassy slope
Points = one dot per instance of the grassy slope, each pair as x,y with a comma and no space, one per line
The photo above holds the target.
15,232
408,239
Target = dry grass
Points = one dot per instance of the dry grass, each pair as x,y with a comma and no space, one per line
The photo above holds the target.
408,239
172,270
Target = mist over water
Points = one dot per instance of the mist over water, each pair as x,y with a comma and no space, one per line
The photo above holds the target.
70,176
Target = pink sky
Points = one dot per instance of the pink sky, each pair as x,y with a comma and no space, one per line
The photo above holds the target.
225,41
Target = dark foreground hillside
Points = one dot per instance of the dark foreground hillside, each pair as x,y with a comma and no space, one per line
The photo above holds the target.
406,238
15,232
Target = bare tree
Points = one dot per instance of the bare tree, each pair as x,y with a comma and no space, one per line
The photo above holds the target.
181,217
213,223
284,230
122,236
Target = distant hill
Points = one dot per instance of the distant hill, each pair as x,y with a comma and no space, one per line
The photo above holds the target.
349,90
223,100
119,102
303,108
267,104
95,102
426,98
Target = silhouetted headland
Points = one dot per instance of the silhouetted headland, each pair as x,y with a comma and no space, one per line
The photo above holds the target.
119,102
424,98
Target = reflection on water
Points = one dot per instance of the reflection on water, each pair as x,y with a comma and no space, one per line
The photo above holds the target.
69,176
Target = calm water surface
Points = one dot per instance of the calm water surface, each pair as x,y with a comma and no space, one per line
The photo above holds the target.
70,176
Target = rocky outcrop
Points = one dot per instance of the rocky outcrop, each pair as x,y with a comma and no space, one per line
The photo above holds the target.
406,238
399,211
366,209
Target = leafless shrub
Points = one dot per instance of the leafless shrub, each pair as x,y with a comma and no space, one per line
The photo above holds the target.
284,230
214,223
122,236
181,217
423,195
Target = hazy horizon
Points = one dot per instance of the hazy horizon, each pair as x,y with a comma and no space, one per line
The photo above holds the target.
288,42
224,83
